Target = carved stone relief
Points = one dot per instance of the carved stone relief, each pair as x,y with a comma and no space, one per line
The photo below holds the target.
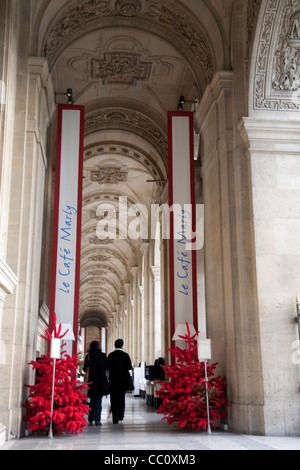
99,258
121,68
128,7
287,56
277,74
135,155
109,173
98,241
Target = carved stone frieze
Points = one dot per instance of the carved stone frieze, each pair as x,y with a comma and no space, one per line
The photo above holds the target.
98,241
99,258
277,73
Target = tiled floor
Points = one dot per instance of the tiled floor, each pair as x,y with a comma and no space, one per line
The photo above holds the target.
142,429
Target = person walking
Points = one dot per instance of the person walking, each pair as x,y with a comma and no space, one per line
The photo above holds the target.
95,376
119,365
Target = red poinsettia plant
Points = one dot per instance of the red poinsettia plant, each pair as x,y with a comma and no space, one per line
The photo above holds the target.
69,401
184,394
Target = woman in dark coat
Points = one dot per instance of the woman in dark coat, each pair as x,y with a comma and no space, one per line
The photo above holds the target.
94,367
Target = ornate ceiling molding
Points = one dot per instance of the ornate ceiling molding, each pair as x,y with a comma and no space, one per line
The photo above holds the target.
168,19
130,121
276,84
109,149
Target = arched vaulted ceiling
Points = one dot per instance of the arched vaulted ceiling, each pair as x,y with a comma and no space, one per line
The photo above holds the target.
127,62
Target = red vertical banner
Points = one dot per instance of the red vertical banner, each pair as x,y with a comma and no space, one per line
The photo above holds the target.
182,251
66,245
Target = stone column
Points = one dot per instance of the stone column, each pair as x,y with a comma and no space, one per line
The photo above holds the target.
112,336
110,345
135,311
8,281
127,313
274,143
118,321
165,307
146,327
141,326
122,317
157,333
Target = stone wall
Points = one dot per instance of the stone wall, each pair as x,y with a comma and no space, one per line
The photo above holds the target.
230,287
24,121
274,147
273,133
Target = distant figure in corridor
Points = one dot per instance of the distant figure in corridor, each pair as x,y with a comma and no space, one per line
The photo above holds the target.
119,365
95,370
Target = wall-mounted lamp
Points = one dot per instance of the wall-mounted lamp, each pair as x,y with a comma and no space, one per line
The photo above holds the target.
182,101
69,95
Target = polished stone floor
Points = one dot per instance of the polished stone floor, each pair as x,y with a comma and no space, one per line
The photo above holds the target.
142,429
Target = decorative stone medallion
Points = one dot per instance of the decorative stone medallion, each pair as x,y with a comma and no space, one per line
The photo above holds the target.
128,7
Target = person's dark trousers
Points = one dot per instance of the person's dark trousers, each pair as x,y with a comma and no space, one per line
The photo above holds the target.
117,401
96,409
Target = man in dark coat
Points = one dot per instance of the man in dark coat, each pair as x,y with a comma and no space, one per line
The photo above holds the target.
95,368
119,365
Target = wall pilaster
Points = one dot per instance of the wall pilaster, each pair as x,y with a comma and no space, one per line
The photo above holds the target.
230,288
25,119
274,144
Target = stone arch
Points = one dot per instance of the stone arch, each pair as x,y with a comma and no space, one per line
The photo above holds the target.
93,318
275,71
170,20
